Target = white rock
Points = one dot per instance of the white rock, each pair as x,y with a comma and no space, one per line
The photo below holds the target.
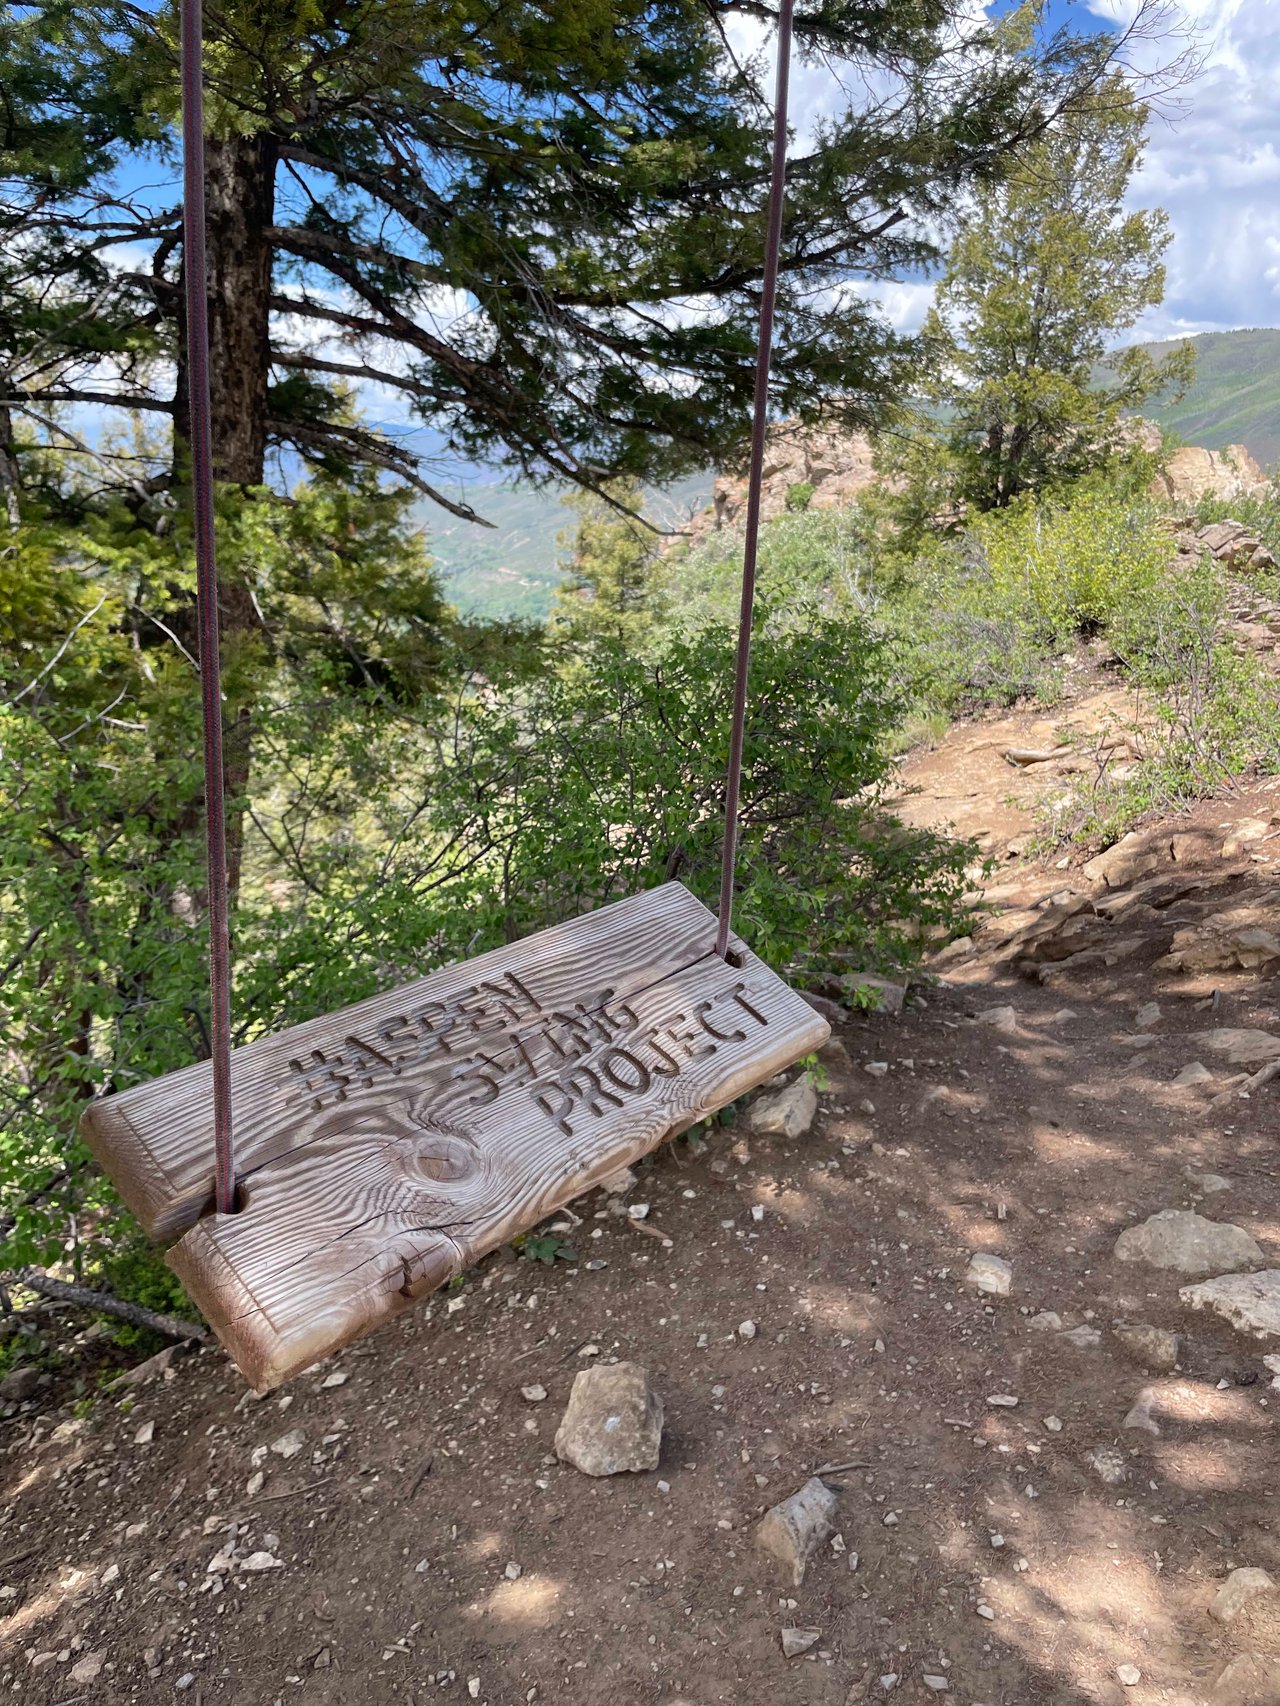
889,1681
984,1610
258,1561
1054,1424
1140,1417
145,1434
1147,1015
1083,1338
638,1211
533,1394
786,1113
1047,1321
797,1641
1240,1587
746,1329
999,1018
1193,1074
1109,1464
513,1571
1189,1244
990,1273
290,1444
939,1684
1002,1401
1251,1302
473,1687
876,1068
337,1378
86,1669
1129,1675
253,1486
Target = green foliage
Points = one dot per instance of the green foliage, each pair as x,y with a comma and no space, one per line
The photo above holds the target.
1049,268
613,583
545,1247
1235,396
800,495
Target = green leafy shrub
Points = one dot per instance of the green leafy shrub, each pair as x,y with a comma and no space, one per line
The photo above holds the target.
799,496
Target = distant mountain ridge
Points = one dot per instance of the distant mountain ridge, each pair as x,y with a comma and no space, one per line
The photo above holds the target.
512,569
1236,395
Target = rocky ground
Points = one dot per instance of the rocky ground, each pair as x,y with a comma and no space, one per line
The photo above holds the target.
972,1293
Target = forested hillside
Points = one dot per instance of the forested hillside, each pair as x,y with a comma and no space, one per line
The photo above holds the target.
1235,398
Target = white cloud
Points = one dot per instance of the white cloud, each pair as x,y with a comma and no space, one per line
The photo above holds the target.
1215,169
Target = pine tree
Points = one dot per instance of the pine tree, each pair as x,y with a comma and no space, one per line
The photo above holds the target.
1043,278
502,214
613,582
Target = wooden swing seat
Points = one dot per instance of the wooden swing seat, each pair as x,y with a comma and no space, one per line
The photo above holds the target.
383,1149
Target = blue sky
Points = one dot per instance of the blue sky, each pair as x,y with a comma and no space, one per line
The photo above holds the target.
1212,162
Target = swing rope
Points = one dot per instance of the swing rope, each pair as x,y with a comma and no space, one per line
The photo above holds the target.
197,290
755,479
197,303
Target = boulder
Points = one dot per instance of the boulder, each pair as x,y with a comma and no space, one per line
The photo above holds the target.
1189,1244
1251,1302
1135,855
19,1384
613,1422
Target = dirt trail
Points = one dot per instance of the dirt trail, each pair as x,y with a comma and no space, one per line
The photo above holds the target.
405,1535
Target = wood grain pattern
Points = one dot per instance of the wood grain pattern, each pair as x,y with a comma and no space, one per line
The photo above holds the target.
564,1057
156,1140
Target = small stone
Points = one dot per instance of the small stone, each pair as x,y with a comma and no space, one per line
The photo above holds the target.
875,1068
1140,1417
889,1681
513,1571
984,1610
473,1687
1109,1464
1189,1244
337,1378
613,1422
145,1434
185,1680
1192,1076
259,1561
1150,1347
1054,1424
746,1329
1002,1401
991,1274
533,1394
939,1684
786,1113
1251,1302
797,1641
1083,1338
87,1669
794,1529
1208,1184
999,1018
891,1519
290,1444
1240,1587
619,1182
1129,1675
1047,1321
638,1211
253,1486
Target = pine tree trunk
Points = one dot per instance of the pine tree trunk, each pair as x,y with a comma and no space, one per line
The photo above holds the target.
239,210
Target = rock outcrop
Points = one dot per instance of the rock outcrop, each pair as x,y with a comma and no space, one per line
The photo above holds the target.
836,465
1191,474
